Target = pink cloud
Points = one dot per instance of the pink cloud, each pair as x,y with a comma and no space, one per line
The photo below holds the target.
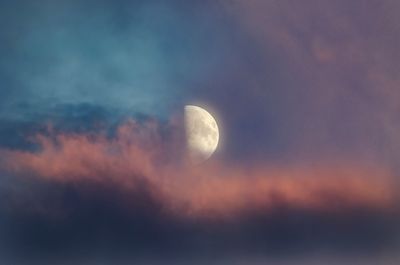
137,153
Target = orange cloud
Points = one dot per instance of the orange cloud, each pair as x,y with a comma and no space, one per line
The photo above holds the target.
137,153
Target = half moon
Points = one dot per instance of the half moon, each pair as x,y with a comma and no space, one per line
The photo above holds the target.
202,134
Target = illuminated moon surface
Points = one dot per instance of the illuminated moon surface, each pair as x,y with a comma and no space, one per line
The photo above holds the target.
202,134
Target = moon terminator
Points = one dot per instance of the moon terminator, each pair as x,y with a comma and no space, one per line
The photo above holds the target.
202,134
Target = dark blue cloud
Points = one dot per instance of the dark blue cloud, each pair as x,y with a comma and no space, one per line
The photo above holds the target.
97,221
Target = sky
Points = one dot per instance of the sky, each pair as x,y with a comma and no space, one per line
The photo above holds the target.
92,144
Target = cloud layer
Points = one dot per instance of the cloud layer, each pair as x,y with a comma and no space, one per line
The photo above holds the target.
138,154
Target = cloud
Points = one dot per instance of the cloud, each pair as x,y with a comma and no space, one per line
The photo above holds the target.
338,62
129,56
139,153
129,194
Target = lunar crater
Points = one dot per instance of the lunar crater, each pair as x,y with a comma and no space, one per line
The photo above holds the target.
202,134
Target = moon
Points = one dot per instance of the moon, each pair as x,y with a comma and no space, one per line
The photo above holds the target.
202,134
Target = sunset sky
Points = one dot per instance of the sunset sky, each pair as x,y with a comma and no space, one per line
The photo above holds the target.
93,167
